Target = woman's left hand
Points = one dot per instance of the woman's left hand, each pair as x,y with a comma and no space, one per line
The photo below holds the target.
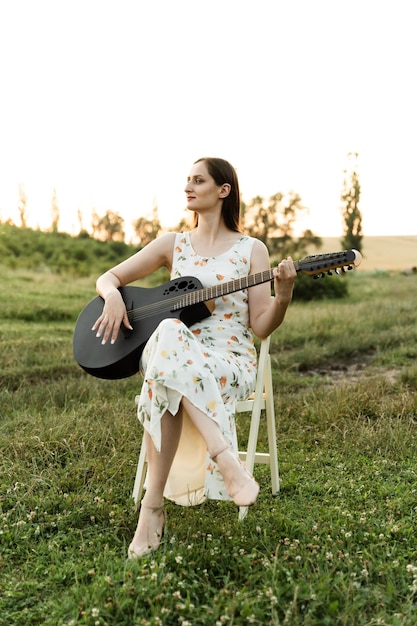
284,277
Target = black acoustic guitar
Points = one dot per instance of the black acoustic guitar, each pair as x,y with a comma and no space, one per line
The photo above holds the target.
183,298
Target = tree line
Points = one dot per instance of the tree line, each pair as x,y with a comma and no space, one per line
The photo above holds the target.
272,220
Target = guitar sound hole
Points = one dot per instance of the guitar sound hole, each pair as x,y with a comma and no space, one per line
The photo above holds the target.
183,285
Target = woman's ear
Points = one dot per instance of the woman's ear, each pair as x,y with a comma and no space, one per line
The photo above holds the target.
225,190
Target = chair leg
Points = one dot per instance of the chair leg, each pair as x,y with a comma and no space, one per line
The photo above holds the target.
271,428
252,442
140,474
243,511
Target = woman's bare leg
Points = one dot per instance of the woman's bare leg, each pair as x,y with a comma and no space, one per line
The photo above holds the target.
152,518
239,484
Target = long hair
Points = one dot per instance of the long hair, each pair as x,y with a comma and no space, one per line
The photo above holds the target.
223,172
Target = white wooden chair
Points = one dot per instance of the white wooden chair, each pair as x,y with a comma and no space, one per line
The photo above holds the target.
261,401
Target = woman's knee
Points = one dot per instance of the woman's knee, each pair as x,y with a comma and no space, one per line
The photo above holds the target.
170,322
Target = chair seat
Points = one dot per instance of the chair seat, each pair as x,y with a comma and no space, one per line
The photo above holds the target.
245,406
260,457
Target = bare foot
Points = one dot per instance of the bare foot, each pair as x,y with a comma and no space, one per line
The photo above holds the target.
149,531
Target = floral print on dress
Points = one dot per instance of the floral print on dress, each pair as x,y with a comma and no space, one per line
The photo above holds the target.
213,364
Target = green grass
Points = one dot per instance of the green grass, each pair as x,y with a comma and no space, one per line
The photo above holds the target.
337,546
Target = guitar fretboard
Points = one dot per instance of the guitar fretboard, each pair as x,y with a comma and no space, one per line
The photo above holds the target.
313,265
222,289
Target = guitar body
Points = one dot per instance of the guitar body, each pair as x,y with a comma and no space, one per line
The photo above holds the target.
121,359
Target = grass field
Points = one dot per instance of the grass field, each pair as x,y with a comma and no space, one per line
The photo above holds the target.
337,546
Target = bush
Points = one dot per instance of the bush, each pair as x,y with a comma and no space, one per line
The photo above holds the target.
310,288
59,252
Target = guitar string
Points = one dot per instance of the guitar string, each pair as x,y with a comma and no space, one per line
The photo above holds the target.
189,298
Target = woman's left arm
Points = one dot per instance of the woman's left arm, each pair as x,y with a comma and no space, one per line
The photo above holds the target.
266,313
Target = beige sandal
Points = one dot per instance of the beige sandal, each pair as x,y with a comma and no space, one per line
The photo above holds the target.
246,495
154,540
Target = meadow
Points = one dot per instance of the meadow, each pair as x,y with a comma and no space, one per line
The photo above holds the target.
337,545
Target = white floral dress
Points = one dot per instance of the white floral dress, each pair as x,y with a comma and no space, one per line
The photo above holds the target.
213,364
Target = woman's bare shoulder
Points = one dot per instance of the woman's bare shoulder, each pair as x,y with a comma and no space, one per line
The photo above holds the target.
260,254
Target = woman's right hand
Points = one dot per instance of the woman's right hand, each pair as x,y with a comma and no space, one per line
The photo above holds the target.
114,314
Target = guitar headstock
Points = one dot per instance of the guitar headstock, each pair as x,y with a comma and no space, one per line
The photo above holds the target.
319,264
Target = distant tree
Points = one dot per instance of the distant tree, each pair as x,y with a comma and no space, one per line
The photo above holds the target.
108,227
147,229
55,212
352,232
82,232
273,222
260,217
184,224
22,206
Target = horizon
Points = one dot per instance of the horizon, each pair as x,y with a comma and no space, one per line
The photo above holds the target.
47,229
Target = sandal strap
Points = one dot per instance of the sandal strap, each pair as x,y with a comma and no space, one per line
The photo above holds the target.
154,509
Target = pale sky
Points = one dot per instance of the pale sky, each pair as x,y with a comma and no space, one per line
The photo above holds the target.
110,101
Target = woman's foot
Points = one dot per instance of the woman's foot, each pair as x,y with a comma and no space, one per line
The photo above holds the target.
240,485
149,531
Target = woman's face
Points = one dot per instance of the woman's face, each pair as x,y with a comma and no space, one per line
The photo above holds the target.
201,189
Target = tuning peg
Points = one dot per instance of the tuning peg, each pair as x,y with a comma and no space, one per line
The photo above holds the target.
337,271
329,273
350,267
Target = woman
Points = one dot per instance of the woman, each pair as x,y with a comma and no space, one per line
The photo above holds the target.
194,376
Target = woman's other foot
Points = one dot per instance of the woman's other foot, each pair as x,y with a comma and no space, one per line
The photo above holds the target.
149,531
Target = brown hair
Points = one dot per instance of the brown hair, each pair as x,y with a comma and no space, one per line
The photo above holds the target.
223,172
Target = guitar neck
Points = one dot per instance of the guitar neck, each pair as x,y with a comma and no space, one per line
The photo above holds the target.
313,265
222,289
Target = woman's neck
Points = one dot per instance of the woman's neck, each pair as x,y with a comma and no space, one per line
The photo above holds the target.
211,238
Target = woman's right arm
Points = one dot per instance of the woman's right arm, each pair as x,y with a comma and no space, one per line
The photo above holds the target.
153,256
